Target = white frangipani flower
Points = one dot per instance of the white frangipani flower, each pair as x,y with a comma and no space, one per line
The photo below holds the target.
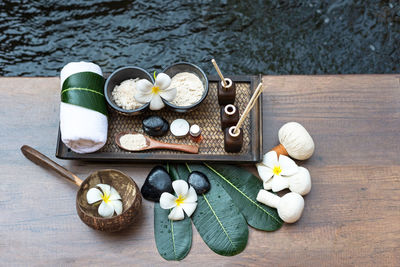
148,92
186,200
111,200
274,172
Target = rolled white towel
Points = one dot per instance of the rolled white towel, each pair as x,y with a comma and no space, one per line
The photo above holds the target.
83,125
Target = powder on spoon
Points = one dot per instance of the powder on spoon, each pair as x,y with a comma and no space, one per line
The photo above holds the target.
133,141
189,88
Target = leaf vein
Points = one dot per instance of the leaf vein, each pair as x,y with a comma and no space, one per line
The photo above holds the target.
220,223
81,89
258,206
173,238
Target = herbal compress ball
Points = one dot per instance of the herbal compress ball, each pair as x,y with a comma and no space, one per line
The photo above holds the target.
296,140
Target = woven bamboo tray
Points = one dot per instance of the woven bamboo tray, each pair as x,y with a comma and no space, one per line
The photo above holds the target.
207,116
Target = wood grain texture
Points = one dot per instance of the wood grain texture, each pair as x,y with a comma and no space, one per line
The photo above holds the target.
351,216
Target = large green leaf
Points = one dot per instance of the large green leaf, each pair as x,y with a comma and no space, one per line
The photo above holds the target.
243,187
217,219
173,238
85,89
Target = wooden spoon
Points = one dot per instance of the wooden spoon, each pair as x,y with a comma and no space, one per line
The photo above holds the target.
154,144
126,187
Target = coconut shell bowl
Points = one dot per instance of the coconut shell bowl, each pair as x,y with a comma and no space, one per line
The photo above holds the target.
125,186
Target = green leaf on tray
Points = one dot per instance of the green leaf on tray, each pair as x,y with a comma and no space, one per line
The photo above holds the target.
218,221
85,89
243,187
173,238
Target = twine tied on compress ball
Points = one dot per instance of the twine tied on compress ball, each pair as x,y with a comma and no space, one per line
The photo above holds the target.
295,141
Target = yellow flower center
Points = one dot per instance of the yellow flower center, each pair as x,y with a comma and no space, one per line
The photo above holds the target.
155,89
179,200
106,198
277,170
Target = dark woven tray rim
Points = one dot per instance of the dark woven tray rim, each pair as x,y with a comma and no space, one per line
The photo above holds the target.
255,154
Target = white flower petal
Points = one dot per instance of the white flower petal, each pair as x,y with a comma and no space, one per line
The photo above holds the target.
268,185
106,210
270,159
114,195
143,97
156,102
189,208
168,94
94,195
279,183
105,188
288,166
181,188
176,214
167,200
144,86
265,172
191,196
117,205
163,81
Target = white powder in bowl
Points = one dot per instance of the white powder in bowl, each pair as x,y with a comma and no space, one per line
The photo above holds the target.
189,88
124,95
133,141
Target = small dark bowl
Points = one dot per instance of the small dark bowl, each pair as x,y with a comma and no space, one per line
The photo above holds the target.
187,67
116,78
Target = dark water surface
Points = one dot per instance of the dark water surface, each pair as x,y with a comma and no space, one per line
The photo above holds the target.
246,37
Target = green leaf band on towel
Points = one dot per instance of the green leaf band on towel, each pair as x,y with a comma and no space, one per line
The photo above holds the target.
85,89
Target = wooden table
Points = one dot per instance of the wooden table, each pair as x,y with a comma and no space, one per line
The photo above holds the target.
351,217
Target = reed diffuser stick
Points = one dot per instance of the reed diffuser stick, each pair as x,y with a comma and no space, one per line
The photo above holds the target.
219,72
249,106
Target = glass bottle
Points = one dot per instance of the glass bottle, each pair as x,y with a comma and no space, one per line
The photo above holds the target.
195,133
